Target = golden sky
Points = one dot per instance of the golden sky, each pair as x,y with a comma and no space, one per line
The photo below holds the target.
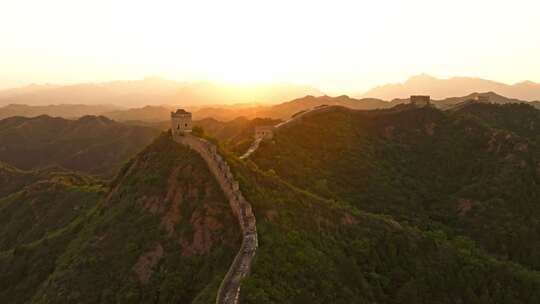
338,46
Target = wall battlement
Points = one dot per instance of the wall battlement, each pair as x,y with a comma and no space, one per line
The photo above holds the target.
229,290
420,100
265,132
181,122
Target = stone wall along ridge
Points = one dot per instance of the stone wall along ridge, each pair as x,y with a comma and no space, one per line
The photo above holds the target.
229,289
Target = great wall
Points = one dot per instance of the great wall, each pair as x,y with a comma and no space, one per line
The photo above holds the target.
417,100
252,148
229,289
289,122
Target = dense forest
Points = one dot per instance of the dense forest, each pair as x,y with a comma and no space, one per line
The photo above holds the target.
93,145
403,205
470,172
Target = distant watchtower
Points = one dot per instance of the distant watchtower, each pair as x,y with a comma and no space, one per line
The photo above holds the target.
181,122
420,100
264,132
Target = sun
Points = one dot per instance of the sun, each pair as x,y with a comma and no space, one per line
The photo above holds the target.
243,64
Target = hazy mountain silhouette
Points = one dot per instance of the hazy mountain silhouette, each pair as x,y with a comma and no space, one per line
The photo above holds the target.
158,116
91,144
229,112
456,86
451,102
146,114
63,110
286,109
214,93
152,91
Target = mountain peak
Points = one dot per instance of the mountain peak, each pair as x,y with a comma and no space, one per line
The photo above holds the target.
526,83
456,86
421,78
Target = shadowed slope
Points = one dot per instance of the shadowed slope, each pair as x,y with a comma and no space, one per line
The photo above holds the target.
90,144
434,169
313,250
165,231
42,213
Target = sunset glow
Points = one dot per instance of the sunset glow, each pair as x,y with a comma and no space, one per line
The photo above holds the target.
338,46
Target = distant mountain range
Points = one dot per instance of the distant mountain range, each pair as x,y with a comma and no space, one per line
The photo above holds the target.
150,115
286,109
146,114
153,114
153,91
91,144
61,110
456,86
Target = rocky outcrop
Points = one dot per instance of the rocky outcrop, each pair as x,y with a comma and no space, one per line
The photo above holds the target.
229,289
147,262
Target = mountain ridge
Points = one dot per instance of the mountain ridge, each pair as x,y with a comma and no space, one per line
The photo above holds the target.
153,91
455,86
158,116
92,144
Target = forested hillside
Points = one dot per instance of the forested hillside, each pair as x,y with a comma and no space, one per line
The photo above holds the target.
91,144
164,233
460,173
317,250
40,213
406,205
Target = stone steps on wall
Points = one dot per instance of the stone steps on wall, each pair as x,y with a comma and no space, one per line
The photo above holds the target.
229,290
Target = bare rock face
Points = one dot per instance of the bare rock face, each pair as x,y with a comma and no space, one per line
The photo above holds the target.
521,147
190,197
229,290
144,267
464,205
205,231
430,128
164,218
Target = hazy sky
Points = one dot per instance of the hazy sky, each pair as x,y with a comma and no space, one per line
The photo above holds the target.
338,46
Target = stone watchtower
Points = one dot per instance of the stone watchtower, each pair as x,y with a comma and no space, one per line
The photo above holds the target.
420,100
264,132
181,122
